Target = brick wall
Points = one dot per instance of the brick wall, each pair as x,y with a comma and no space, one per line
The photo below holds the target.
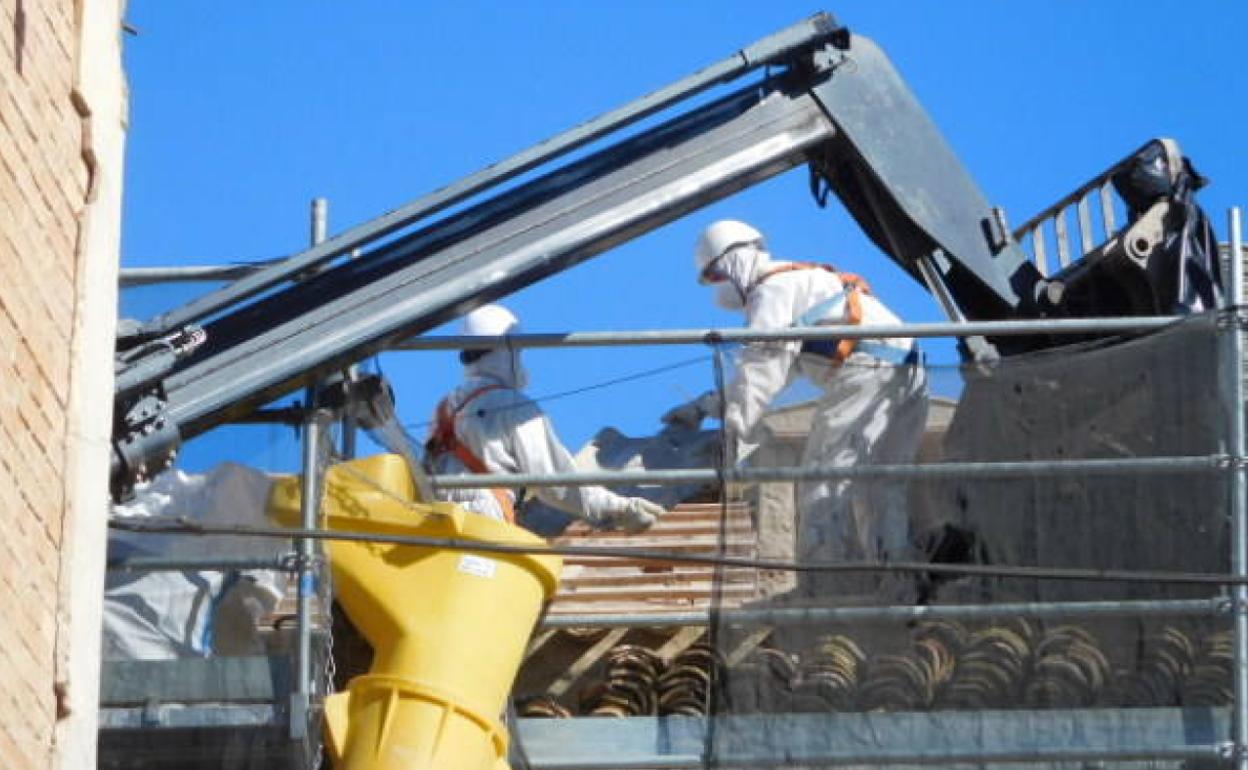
48,186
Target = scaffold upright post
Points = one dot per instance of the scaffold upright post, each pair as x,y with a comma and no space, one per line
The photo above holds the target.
1238,485
313,425
310,505
320,220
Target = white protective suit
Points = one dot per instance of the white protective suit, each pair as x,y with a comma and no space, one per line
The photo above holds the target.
873,409
510,433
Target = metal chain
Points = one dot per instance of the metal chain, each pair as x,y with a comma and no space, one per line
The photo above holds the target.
325,598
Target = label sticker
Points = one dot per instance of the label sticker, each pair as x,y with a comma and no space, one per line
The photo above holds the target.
477,565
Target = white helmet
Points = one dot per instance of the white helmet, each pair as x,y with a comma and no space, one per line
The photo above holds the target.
503,363
718,238
490,321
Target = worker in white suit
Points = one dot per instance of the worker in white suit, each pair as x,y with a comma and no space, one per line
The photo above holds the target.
488,425
874,404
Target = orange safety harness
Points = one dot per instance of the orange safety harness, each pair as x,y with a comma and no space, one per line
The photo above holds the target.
855,287
446,439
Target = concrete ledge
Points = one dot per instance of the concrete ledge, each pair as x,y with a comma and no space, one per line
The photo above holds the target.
941,738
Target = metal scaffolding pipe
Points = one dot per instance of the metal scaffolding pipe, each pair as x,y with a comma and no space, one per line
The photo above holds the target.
864,331
309,510
1238,488
807,616
204,564
985,470
319,225
1029,756
314,429
148,276
180,526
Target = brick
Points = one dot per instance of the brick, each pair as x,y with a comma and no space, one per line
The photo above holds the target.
36,243
34,316
56,298
25,523
50,365
46,359
16,306
41,122
13,609
32,713
8,481
43,181
40,639
15,652
57,61
50,404
16,616
50,72
20,219
14,390
19,190
36,211
35,80
11,754
33,257
37,483
61,24
61,140
21,116
52,180
8,43
54,430
58,20
54,166
70,183
36,403
33,165
53,411
10,460
36,640
9,494
17,553
41,430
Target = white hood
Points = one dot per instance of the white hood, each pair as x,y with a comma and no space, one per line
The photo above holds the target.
743,266
503,365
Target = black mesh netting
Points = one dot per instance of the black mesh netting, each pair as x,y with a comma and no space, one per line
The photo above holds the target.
831,667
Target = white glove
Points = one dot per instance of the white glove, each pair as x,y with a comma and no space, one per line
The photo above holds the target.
690,415
639,515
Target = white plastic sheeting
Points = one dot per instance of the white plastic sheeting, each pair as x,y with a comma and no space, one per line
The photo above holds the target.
161,615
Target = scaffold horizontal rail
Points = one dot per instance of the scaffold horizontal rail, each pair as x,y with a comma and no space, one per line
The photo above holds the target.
158,526
206,563
985,470
802,616
840,331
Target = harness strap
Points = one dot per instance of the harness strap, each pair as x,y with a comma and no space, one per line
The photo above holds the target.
788,268
445,439
855,287
853,315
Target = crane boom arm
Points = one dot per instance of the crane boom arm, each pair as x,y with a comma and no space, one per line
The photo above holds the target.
835,102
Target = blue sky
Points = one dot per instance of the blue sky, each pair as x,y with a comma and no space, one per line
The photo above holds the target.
243,112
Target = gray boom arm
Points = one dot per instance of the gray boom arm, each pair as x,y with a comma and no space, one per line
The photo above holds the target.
837,104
